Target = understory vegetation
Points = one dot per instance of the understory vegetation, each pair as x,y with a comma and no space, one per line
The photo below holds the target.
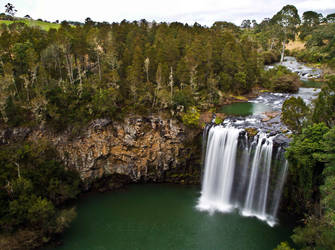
34,189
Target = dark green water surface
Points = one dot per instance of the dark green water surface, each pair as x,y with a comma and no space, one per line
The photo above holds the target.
245,108
312,84
163,217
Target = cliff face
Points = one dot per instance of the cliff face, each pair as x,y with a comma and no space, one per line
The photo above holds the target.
135,150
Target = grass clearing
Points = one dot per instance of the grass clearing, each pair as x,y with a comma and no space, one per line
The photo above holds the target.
33,23
297,44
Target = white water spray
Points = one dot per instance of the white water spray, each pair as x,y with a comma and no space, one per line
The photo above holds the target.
240,174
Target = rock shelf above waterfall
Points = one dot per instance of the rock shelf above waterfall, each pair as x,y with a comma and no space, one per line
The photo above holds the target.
269,122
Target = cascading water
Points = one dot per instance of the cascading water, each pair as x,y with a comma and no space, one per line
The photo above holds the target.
260,173
242,173
220,159
246,172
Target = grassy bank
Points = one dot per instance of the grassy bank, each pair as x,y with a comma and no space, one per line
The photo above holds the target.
33,23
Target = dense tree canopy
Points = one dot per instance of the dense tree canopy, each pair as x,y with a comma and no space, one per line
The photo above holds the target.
101,70
311,18
294,113
312,168
33,188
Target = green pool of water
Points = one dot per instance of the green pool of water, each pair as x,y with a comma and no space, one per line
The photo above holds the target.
163,217
245,108
312,84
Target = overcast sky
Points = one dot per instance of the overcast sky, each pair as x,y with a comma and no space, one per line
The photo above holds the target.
205,12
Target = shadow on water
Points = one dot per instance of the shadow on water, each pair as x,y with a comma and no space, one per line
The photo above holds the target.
312,84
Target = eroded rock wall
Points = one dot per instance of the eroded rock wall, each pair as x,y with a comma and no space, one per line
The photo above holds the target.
138,149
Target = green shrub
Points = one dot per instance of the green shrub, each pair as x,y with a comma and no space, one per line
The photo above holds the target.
289,83
183,98
270,57
283,246
218,120
280,79
192,117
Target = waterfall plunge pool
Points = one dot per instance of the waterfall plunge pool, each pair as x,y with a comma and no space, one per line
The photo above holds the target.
161,216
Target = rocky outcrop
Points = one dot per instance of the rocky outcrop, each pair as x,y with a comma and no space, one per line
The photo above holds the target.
136,150
13,135
270,115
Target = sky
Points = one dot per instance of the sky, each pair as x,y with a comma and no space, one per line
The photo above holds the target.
205,12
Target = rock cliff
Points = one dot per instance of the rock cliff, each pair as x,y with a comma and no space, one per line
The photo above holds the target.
107,153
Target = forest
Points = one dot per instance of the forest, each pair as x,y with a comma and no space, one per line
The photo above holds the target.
63,78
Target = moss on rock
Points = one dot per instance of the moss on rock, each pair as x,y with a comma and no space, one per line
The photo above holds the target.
252,132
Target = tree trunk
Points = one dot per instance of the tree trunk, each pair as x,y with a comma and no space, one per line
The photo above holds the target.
80,87
282,52
99,67
154,100
18,170
69,68
171,85
59,68
272,44
79,72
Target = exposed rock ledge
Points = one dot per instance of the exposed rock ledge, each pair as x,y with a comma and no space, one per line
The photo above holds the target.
136,150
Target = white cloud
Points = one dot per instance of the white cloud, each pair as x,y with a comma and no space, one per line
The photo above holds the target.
201,11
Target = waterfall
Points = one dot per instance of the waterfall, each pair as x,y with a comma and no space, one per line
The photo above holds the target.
279,189
242,174
219,165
